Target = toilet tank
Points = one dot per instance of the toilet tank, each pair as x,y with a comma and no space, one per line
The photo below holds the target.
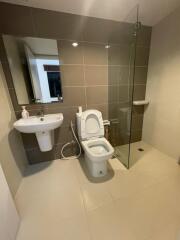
90,124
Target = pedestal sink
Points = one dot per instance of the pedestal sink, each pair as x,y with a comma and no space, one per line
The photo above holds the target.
43,127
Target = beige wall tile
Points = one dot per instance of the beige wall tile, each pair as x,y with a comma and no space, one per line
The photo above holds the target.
73,96
29,140
119,55
72,75
118,75
103,108
113,94
96,75
69,54
137,121
36,156
95,54
144,36
139,92
64,135
140,75
118,94
92,33
58,25
22,15
142,56
97,95
136,135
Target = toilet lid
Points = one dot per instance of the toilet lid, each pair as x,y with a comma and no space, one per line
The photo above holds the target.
91,124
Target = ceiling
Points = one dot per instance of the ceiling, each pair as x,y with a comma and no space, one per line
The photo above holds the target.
151,11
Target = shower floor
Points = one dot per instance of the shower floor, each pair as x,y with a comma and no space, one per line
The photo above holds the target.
57,200
137,151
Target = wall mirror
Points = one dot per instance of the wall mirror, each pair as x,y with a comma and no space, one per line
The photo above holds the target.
35,68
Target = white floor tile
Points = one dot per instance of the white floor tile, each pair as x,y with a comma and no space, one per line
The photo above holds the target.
95,195
60,200
106,223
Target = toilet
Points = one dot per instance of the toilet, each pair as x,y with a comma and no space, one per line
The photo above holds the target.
96,148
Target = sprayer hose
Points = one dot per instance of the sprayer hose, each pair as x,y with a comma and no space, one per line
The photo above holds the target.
67,144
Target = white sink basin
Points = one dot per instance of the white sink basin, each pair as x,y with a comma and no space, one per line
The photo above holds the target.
43,128
38,124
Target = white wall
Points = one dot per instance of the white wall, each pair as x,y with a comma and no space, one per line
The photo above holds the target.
12,155
162,118
9,219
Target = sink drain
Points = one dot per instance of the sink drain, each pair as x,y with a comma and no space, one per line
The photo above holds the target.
140,149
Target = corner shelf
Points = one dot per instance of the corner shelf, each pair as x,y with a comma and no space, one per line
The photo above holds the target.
140,103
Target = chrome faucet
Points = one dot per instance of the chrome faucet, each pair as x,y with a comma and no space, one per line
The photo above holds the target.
41,114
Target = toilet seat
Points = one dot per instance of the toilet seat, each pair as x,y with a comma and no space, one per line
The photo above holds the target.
91,125
97,149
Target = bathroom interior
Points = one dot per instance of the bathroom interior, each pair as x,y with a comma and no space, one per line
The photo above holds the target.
89,125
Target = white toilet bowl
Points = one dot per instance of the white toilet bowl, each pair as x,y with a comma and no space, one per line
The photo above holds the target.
96,148
97,152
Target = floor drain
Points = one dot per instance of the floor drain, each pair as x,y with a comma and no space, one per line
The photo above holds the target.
140,149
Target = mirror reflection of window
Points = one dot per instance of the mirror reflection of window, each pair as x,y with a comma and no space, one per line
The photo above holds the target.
54,78
35,68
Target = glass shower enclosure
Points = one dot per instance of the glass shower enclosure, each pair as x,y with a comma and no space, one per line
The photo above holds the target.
121,70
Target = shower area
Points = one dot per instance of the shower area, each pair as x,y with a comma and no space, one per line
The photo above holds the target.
127,76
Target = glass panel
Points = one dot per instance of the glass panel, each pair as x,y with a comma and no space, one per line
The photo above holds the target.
121,65
137,147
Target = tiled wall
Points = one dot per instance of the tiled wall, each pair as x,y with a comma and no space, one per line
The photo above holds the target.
84,69
140,78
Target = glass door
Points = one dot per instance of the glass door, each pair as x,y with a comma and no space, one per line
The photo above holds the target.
121,68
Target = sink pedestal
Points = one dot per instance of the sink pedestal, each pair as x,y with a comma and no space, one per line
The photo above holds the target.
45,140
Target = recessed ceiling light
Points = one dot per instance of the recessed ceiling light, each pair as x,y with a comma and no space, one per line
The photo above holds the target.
107,46
75,44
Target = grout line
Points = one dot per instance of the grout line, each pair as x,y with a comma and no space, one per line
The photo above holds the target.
83,200
100,43
105,65
141,66
84,78
57,106
102,65
101,85
75,86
